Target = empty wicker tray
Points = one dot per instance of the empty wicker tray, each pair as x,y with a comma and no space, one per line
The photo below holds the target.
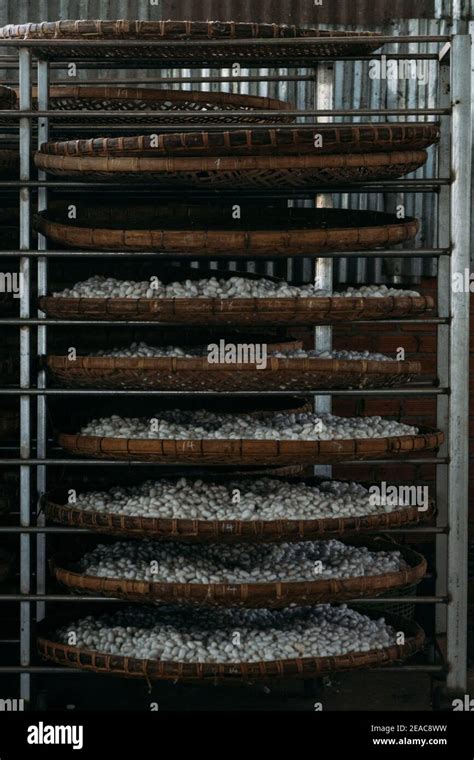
254,41
335,138
59,511
235,172
175,373
162,102
303,667
206,230
248,451
251,594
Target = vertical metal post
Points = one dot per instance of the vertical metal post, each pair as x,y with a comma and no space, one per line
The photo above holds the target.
444,301
43,99
25,426
323,267
459,399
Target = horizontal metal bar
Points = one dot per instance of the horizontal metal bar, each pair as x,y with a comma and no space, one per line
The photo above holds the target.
138,127
429,529
297,63
377,186
295,42
15,321
132,463
58,670
56,598
378,253
398,600
427,390
16,529
209,115
408,669
9,63
78,598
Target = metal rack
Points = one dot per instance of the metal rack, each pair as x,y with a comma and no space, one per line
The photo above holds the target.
453,189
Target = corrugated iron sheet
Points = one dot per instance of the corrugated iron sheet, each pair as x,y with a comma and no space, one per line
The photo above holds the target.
341,12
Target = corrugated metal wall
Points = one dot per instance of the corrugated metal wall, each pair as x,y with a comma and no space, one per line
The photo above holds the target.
353,87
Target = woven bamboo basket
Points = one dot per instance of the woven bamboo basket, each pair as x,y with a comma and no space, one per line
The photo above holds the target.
172,373
236,172
59,511
303,667
163,103
205,230
237,311
248,452
251,595
319,42
335,138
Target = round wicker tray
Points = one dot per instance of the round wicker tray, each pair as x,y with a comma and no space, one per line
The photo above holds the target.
163,102
176,32
236,172
335,138
171,373
246,451
59,511
310,667
267,595
237,311
205,230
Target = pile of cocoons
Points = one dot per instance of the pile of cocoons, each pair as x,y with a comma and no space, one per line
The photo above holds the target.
260,499
143,349
172,562
180,634
99,286
203,424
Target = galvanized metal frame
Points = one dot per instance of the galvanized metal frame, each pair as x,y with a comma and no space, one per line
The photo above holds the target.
25,364
452,323
458,439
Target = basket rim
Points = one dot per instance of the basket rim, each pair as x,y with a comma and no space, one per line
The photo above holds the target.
288,139
105,28
170,164
200,364
115,92
363,229
155,670
235,310
219,303
227,593
237,450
